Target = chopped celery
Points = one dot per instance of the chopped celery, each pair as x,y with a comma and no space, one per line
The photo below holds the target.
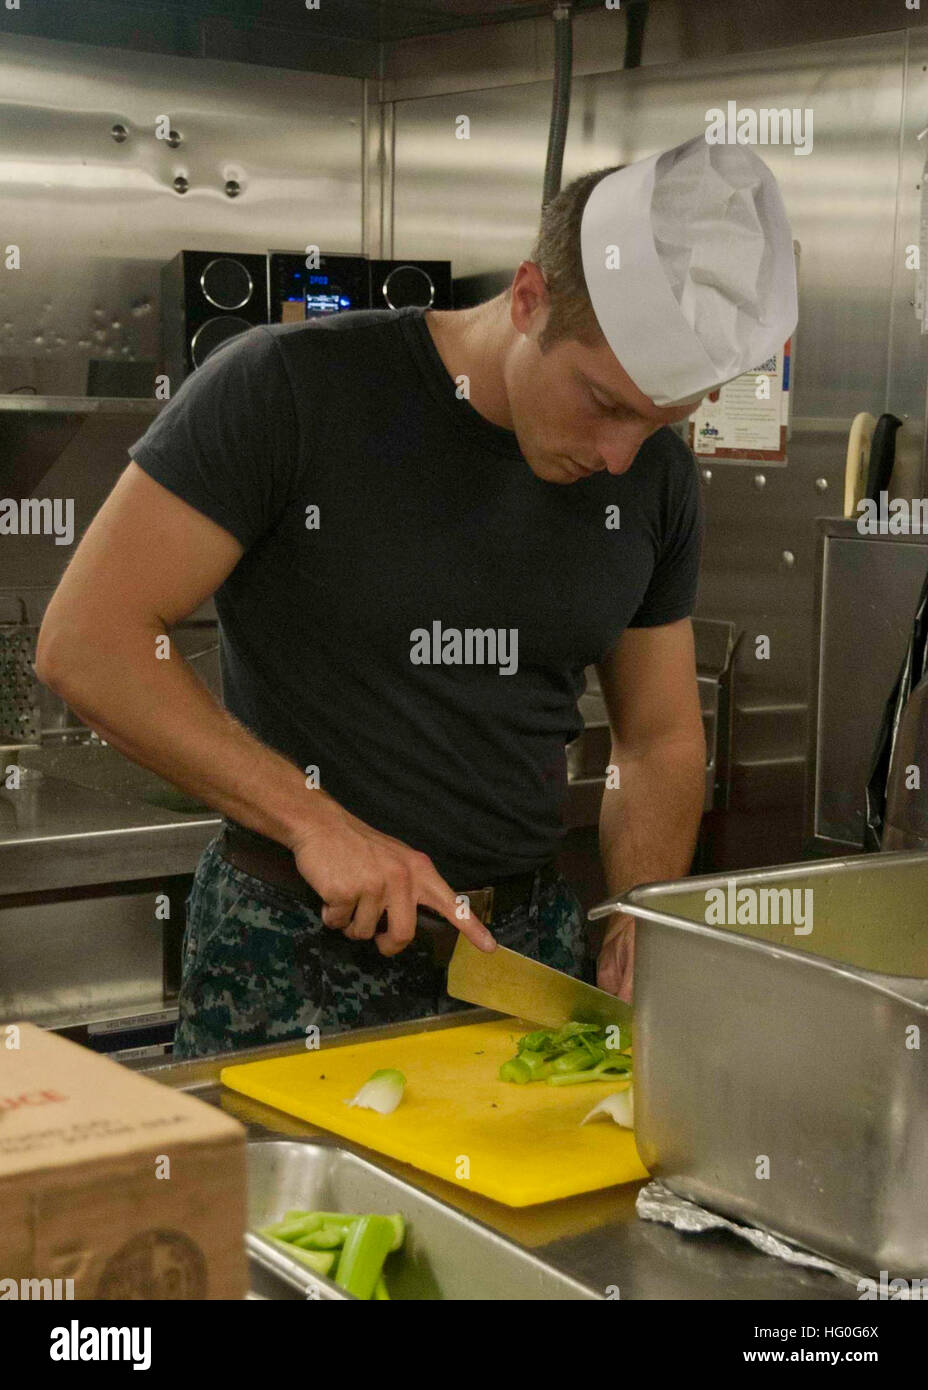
567,1055
537,1065
399,1229
576,1030
295,1224
515,1070
305,1224
369,1242
578,1059
326,1238
603,1071
319,1261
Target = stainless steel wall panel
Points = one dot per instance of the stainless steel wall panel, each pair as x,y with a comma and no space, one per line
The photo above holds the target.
677,32
95,219
907,346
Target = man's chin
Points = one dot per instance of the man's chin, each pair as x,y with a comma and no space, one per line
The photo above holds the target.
554,468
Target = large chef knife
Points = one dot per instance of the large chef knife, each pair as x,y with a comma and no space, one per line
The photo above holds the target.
513,984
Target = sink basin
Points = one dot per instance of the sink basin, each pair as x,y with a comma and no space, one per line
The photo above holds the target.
446,1255
101,768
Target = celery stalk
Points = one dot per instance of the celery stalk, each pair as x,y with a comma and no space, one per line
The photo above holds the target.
319,1261
299,1224
326,1238
368,1244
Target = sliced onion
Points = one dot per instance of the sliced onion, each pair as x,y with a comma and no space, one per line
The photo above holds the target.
382,1092
620,1106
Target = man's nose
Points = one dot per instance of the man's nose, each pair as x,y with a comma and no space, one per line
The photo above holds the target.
617,447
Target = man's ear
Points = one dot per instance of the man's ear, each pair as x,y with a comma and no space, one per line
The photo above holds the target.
528,300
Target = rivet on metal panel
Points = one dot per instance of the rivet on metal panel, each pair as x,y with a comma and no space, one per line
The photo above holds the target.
119,132
821,485
789,559
707,475
233,188
760,480
181,184
173,139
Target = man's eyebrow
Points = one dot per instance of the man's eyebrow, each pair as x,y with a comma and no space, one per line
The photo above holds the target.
610,394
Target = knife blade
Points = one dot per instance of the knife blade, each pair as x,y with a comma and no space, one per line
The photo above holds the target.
514,984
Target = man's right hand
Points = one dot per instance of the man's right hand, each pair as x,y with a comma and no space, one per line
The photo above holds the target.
360,874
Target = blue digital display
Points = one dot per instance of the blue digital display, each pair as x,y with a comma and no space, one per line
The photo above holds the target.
320,302
318,294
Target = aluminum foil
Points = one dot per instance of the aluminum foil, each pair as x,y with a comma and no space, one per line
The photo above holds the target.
657,1203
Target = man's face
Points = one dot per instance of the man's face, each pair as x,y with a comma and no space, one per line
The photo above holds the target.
575,411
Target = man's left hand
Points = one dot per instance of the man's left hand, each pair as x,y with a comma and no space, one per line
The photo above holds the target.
615,966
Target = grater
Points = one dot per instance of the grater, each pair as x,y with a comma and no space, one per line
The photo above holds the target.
20,720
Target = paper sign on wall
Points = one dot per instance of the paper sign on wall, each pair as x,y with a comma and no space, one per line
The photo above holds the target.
748,418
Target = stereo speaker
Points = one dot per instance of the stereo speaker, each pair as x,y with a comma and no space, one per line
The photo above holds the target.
208,297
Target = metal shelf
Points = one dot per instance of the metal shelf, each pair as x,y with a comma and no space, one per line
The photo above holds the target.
80,405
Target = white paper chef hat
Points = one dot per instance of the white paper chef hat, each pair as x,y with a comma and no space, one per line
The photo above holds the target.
705,286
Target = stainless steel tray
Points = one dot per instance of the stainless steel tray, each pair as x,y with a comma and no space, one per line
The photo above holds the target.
446,1254
755,1042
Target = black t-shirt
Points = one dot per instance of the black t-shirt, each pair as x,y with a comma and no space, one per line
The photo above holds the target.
431,528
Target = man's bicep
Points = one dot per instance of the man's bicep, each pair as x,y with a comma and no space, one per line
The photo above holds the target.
147,554
649,685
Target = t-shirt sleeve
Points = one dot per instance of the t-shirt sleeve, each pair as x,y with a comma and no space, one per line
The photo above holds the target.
671,592
228,442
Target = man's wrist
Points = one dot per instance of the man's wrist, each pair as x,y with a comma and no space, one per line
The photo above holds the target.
304,812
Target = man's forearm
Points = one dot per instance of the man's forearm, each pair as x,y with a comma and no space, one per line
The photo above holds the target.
158,713
648,824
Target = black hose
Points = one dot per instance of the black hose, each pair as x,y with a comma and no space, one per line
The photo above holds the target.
636,22
560,102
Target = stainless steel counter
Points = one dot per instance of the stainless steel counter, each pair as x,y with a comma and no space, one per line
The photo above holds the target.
596,1237
55,834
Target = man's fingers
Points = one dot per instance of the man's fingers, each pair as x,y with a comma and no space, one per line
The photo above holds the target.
401,925
607,975
615,967
443,901
627,982
366,916
337,916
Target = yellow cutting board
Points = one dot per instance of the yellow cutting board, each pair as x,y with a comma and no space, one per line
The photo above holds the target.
516,1144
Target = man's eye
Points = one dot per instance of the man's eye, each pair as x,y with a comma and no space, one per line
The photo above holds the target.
618,412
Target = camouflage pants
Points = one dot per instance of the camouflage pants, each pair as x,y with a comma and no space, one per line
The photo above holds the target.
260,967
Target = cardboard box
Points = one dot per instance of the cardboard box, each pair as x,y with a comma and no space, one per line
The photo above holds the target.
126,1187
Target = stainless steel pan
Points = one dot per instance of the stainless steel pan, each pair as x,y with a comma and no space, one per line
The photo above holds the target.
782,1077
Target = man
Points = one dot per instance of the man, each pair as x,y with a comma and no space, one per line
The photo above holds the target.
420,529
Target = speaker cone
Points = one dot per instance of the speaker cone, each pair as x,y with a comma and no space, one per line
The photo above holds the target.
213,332
408,285
226,283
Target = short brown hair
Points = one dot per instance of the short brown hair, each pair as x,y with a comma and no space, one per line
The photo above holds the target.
557,252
